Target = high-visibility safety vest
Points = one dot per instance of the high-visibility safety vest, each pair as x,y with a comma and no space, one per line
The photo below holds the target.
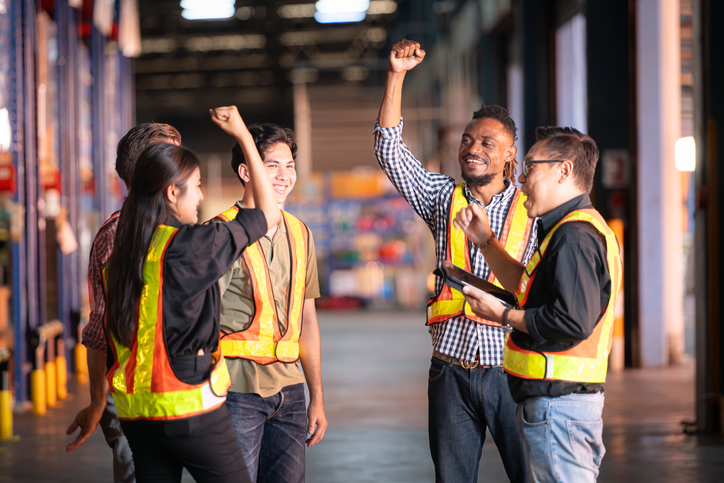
264,341
514,237
587,361
141,379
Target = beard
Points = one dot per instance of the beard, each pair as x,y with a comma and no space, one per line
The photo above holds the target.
479,180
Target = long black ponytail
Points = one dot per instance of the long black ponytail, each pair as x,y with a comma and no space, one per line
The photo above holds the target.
158,167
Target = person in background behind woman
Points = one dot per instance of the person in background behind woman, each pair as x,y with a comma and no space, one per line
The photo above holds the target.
168,377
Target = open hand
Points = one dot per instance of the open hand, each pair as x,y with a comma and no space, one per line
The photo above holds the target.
87,420
405,55
473,221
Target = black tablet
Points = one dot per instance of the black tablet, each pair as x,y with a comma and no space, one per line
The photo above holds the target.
457,277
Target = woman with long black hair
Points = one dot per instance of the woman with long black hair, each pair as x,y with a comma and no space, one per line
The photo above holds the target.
168,378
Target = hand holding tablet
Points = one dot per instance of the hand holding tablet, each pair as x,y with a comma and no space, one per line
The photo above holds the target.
457,278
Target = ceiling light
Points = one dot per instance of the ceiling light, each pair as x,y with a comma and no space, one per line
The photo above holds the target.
334,11
685,154
381,7
198,4
340,17
208,13
207,9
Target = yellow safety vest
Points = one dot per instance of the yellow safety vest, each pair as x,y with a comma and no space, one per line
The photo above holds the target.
141,379
264,341
587,361
514,237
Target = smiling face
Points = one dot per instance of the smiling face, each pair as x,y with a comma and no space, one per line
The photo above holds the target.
541,185
282,170
484,149
186,205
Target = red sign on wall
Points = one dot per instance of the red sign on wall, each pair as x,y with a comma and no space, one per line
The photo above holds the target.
7,178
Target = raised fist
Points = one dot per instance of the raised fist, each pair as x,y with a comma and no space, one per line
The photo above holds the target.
405,55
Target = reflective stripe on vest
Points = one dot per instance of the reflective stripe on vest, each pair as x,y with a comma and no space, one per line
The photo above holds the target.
228,215
263,341
141,379
514,237
586,362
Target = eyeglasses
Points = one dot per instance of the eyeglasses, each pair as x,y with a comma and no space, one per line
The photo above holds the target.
526,163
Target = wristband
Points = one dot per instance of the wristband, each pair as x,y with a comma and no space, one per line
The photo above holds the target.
486,242
504,321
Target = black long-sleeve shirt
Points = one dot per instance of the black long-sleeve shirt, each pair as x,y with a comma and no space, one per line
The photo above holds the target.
566,299
195,260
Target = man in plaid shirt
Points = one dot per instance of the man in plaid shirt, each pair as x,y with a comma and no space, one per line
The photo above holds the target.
101,409
468,390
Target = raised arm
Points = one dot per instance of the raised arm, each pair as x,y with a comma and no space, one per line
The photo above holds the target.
404,56
229,119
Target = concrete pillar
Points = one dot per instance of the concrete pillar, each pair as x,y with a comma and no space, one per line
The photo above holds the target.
659,185
303,130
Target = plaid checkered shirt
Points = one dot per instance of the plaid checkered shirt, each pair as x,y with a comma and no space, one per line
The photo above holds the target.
94,336
430,195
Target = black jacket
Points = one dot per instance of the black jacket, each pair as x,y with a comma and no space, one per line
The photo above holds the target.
566,299
195,260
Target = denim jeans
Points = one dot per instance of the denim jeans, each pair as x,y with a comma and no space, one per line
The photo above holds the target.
462,404
563,437
272,433
123,471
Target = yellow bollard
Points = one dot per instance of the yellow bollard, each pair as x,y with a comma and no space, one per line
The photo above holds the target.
6,407
81,363
6,415
37,391
37,381
61,369
51,391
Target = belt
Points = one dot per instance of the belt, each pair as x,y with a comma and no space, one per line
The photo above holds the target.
465,364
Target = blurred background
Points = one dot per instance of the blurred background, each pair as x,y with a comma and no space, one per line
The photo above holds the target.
641,77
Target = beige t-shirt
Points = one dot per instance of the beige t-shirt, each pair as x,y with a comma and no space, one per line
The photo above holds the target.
237,309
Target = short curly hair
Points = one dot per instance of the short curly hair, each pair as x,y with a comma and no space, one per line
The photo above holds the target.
501,114
571,144
265,135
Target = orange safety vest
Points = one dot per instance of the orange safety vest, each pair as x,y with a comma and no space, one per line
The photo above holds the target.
514,237
264,341
141,379
587,361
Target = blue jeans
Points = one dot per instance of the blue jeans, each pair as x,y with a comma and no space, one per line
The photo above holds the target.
272,433
563,437
123,471
462,403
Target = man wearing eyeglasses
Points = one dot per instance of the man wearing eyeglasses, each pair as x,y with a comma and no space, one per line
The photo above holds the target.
556,358
467,390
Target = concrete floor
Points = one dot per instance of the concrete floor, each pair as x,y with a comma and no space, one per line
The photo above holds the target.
375,369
